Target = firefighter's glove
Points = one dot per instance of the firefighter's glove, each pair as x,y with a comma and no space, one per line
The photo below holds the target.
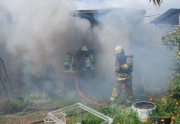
117,69
125,66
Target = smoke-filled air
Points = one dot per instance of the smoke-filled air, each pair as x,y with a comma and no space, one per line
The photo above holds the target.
35,36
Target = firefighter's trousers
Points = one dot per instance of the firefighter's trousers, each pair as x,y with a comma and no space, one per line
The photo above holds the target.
126,85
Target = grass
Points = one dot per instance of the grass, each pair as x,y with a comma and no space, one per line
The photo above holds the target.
2,119
18,109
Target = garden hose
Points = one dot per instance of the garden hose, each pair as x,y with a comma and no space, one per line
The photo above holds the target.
84,97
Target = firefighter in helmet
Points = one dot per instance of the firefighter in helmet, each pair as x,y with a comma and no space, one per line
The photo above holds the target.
123,76
84,48
85,55
82,51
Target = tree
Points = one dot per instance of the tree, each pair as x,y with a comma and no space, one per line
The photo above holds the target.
156,2
172,41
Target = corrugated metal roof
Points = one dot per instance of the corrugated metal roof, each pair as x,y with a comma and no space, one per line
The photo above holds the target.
170,17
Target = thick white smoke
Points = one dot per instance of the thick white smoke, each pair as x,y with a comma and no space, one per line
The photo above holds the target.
151,60
36,35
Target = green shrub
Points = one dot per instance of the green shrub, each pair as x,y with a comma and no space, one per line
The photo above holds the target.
120,115
172,41
13,106
166,107
2,119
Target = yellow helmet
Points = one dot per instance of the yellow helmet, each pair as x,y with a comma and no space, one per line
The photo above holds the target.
118,49
84,48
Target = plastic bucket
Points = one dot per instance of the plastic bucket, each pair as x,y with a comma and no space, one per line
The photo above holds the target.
143,109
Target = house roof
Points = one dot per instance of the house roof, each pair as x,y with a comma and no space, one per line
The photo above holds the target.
170,17
92,15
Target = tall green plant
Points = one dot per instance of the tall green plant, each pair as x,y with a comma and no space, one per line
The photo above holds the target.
172,41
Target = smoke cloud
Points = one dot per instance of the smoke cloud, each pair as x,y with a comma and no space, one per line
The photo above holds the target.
36,35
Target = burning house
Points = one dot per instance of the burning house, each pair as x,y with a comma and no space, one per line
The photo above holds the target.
36,37
38,62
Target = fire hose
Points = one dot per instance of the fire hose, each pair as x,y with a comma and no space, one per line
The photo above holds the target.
77,87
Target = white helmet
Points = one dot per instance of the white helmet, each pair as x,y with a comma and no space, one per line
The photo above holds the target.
118,49
84,48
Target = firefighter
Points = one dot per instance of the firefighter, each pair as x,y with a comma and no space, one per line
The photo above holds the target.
123,75
86,56
85,68
82,51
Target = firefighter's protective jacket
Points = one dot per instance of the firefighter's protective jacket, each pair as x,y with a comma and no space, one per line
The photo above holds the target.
124,69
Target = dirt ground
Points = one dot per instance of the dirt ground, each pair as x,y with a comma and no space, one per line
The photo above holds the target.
36,117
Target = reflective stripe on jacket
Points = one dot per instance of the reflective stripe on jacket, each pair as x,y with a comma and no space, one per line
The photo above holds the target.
123,78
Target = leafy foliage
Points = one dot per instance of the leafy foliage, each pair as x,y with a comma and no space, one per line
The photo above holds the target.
120,115
25,102
166,106
91,119
172,41
2,119
14,106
